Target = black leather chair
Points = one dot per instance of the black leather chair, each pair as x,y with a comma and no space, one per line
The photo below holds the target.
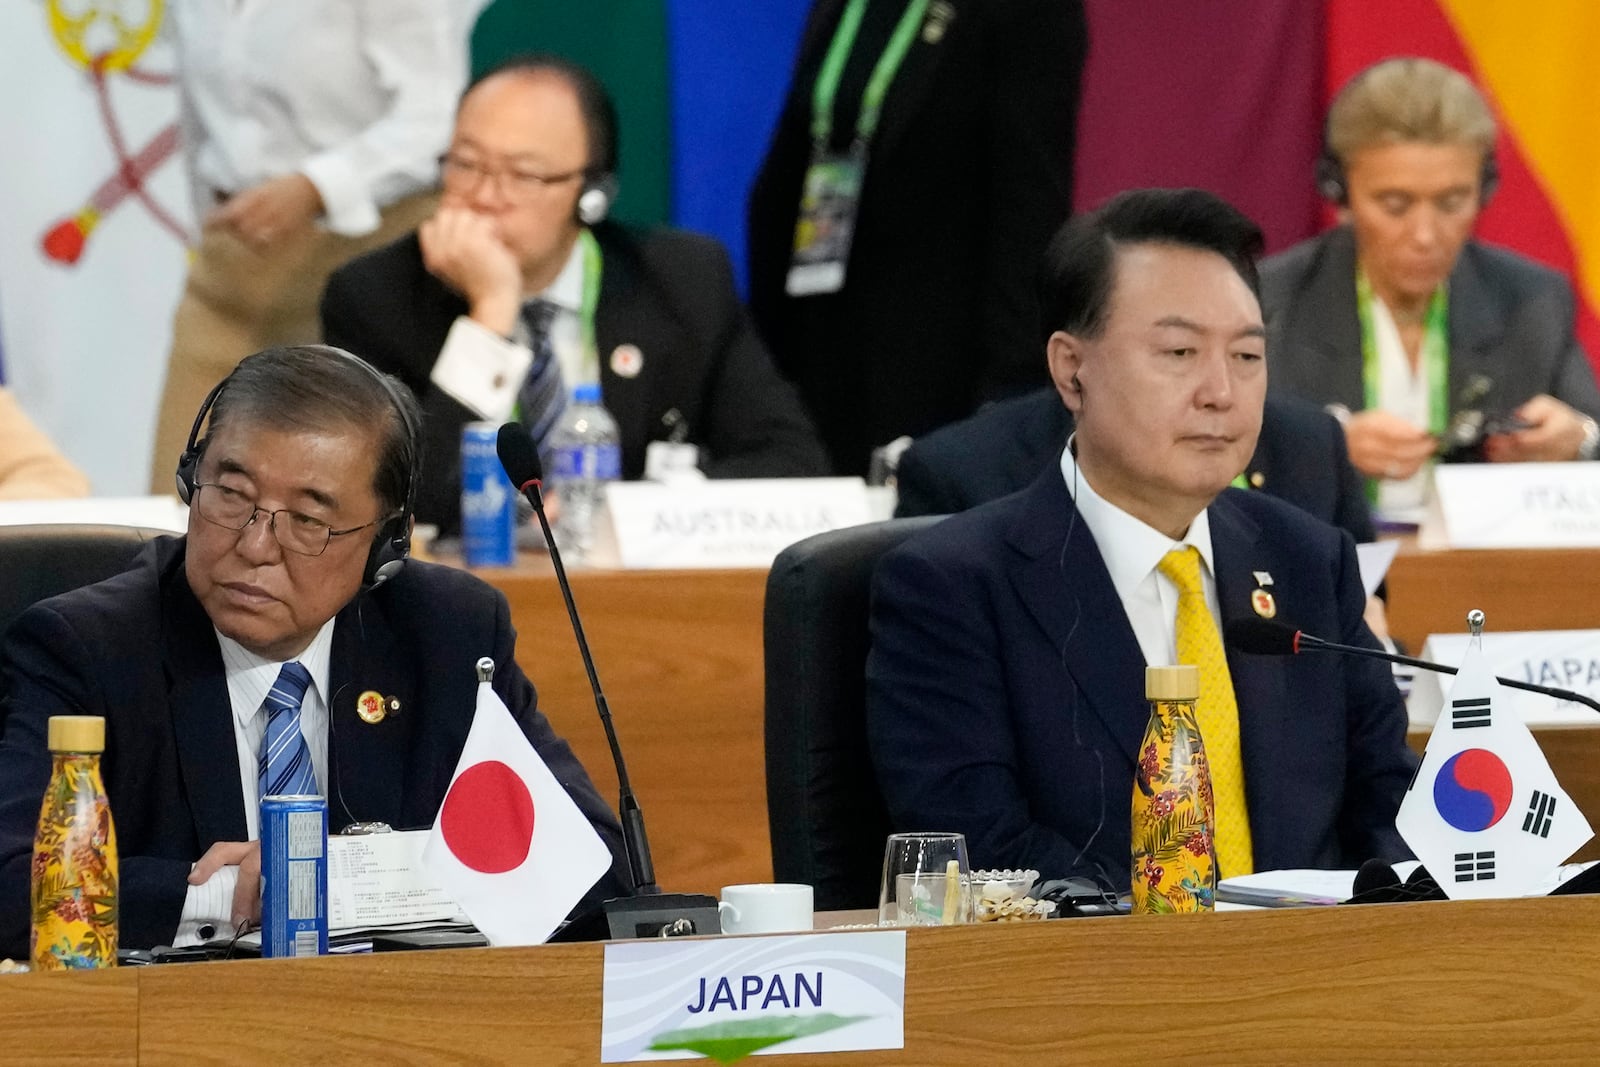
826,816
38,562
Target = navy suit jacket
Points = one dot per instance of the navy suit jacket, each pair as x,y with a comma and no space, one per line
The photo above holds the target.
1511,322
705,377
1005,690
139,650
1300,457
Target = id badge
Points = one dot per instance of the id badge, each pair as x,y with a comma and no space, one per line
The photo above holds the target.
827,222
666,461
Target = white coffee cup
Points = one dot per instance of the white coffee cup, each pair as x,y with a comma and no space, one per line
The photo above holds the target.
765,908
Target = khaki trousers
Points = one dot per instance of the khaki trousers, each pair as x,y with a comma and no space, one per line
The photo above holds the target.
238,300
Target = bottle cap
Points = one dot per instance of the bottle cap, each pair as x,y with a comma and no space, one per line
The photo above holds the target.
586,393
1178,682
77,733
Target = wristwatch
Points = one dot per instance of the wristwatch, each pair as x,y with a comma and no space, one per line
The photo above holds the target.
1590,446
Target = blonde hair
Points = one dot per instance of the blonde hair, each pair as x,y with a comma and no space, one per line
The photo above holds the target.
1409,99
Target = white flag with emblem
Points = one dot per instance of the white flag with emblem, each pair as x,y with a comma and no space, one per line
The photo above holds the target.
1484,812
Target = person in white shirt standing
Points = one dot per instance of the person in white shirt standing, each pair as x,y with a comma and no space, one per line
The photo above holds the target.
312,132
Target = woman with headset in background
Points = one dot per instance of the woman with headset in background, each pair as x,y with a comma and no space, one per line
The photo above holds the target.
1425,343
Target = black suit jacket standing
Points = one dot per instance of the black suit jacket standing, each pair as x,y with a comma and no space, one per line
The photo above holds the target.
1005,690
1511,322
705,376
139,650
1300,457
968,175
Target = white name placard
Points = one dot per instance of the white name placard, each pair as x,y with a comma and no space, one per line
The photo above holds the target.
728,523
1519,505
828,992
1566,659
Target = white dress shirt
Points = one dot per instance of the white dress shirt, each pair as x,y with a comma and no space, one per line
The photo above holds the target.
1132,550
357,95
1402,391
249,679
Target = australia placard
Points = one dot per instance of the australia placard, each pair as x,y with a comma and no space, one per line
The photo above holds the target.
1519,505
727,522
731,997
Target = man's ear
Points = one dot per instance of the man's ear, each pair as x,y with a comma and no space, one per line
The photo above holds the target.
1064,353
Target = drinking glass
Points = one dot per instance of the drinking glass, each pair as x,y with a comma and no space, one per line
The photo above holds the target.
925,881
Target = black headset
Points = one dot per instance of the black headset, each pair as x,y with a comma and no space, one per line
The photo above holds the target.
1330,168
392,546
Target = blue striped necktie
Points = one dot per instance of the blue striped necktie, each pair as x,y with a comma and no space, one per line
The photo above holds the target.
285,766
542,397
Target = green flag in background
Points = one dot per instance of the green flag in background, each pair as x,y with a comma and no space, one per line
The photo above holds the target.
625,43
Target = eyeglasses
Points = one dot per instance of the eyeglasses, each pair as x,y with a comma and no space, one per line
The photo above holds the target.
517,183
301,534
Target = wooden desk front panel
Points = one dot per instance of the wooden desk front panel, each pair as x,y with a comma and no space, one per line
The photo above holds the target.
679,655
462,1006
1543,589
1509,981
76,1017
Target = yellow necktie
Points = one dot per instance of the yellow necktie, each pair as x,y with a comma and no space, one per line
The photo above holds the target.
1200,644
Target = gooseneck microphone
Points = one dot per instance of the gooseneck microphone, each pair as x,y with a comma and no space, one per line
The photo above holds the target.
1264,637
520,459
650,912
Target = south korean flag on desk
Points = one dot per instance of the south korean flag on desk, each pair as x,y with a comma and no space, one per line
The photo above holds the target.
1484,812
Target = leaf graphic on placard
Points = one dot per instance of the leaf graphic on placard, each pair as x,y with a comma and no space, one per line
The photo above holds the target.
734,1040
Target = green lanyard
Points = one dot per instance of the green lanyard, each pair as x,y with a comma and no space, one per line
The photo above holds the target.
827,87
592,265
1435,352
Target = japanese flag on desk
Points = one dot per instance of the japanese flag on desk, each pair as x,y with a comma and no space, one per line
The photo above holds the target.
1484,812
509,845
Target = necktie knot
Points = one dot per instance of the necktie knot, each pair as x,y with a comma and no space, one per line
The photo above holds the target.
1182,567
539,314
290,688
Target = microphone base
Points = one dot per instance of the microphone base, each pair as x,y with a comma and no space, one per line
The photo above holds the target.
652,915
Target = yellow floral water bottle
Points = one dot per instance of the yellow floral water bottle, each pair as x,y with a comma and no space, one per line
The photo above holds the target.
1174,858
75,854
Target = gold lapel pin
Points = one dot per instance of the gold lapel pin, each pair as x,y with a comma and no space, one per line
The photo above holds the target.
1264,605
372,707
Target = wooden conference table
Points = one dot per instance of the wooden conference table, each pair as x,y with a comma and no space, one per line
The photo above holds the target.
680,656
1509,981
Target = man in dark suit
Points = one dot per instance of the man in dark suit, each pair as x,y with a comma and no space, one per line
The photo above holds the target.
517,290
292,568
1300,457
1006,677
1404,325
966,171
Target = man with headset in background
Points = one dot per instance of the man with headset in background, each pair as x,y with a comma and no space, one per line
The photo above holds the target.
517,290
1424,342
240,660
